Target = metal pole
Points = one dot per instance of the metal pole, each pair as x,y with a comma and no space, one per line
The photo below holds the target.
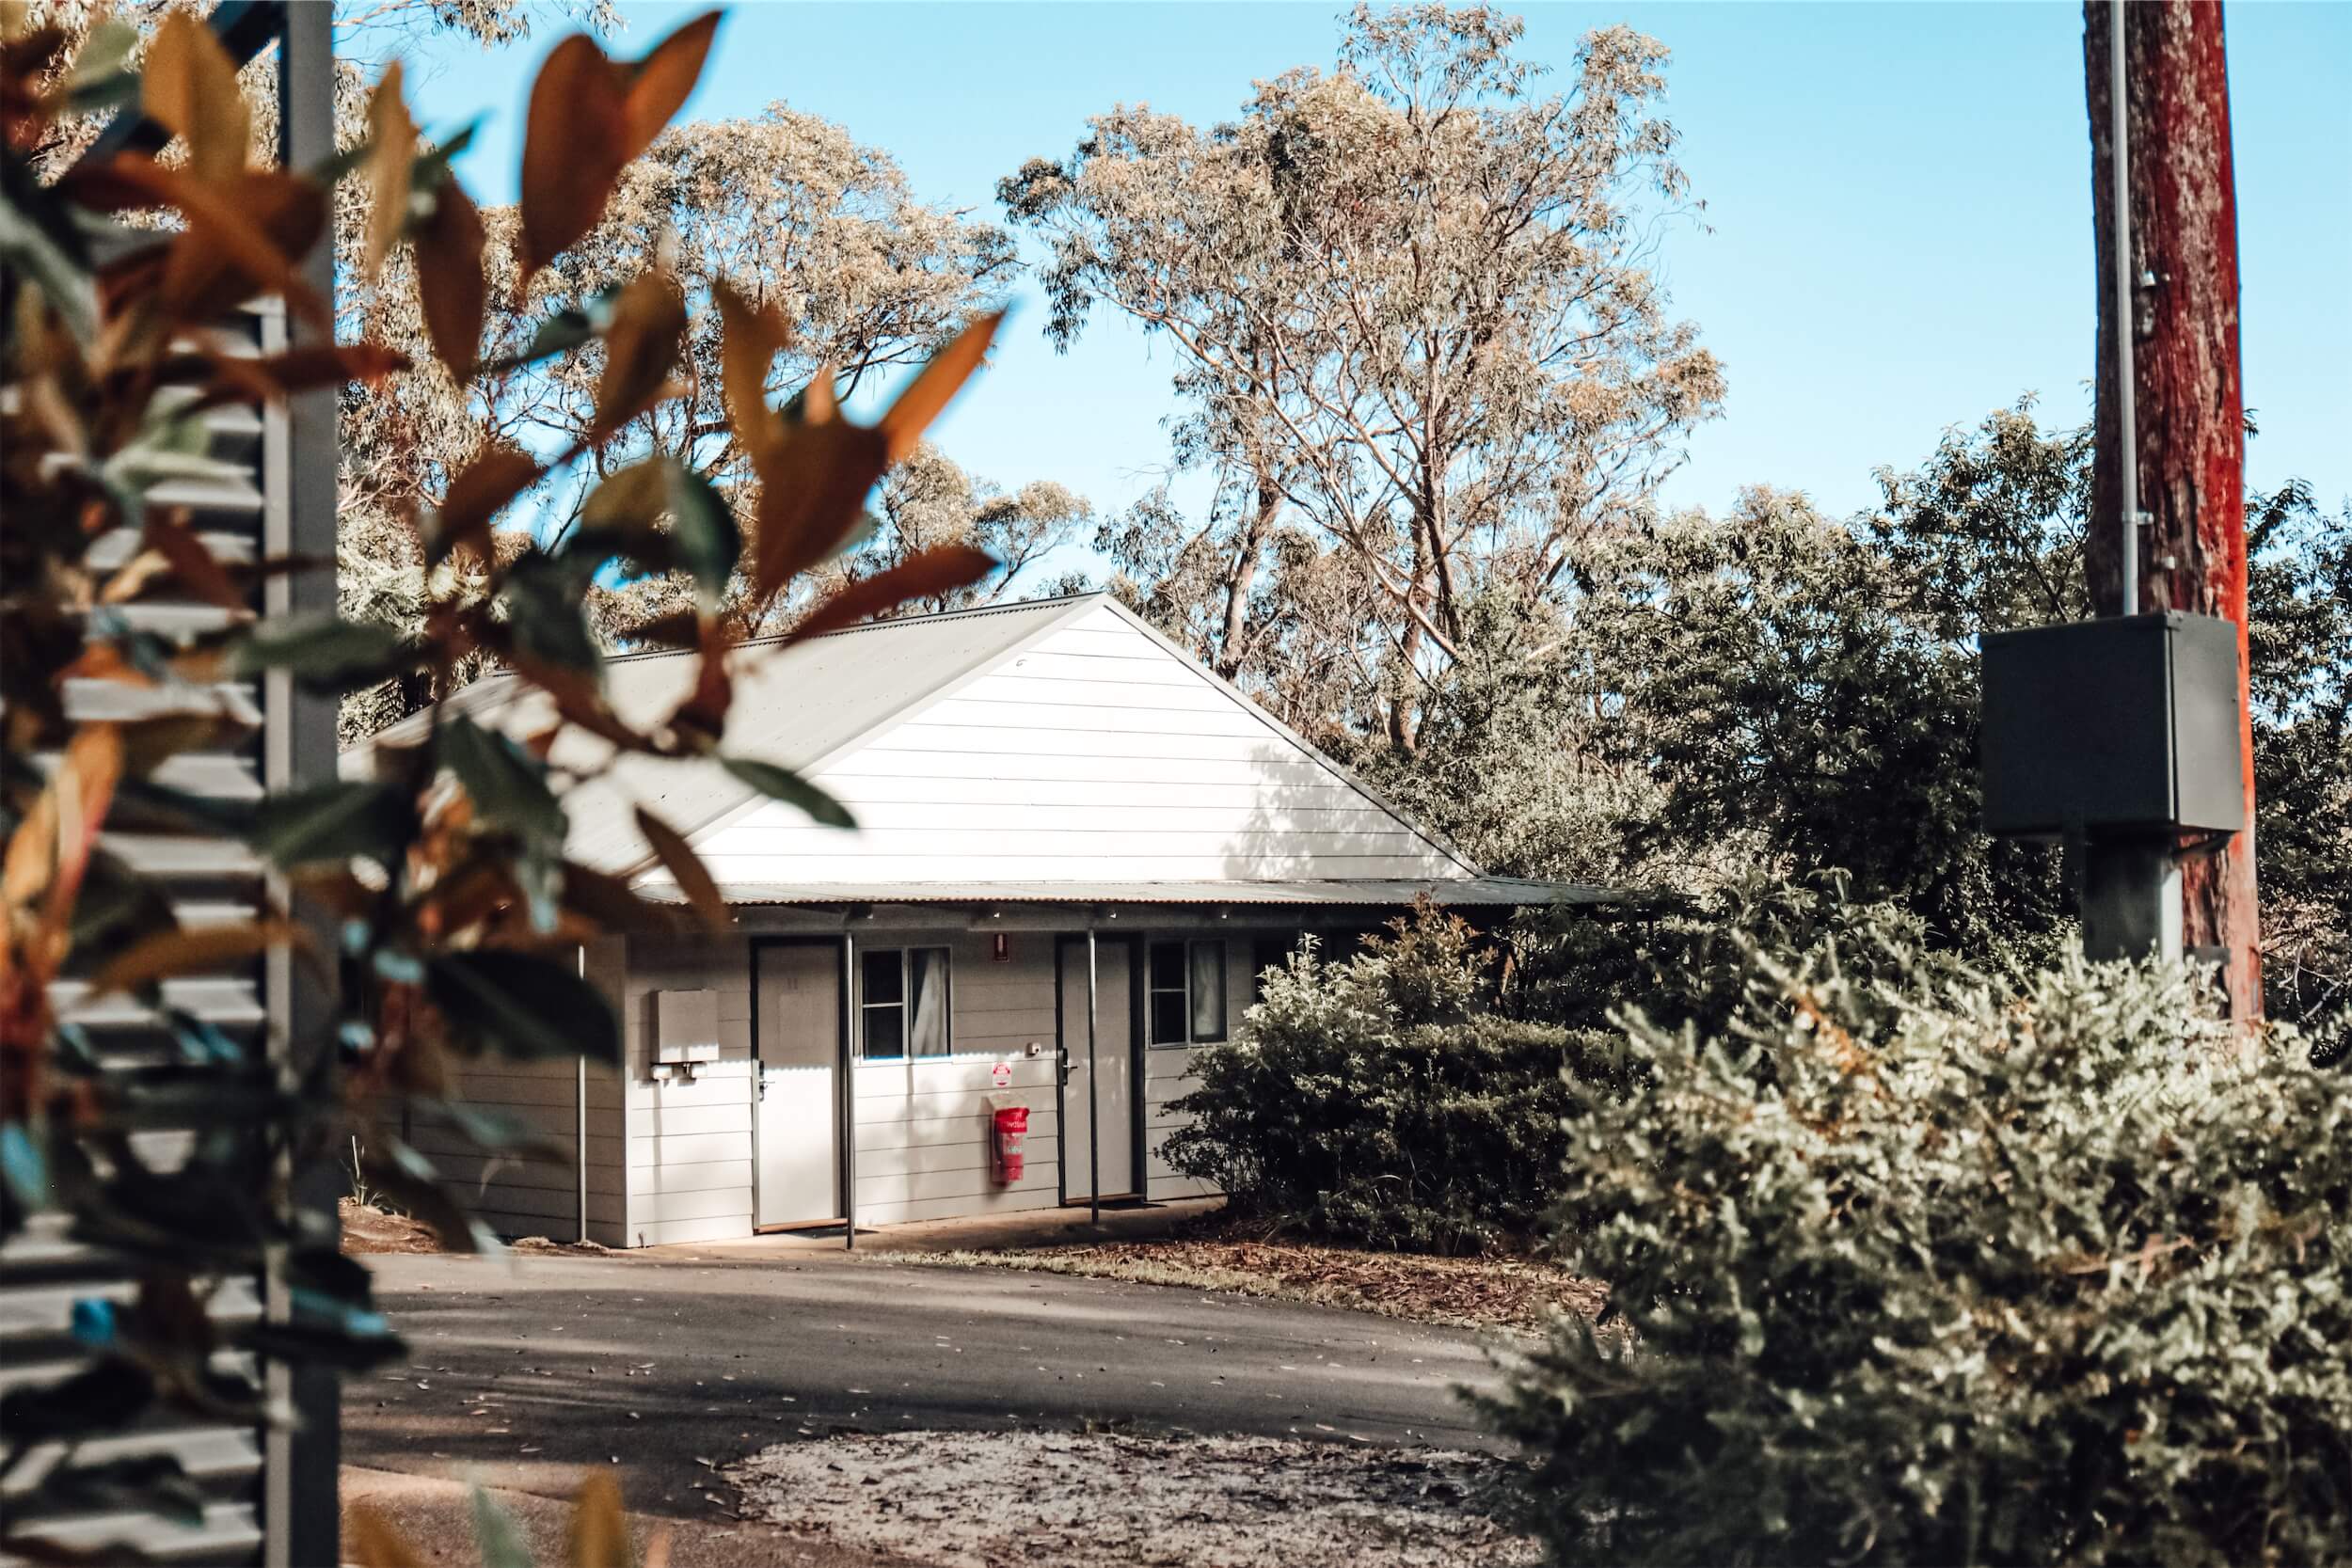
580,1121
2131,886
2126,394
301,1521
848,1092
1094,1101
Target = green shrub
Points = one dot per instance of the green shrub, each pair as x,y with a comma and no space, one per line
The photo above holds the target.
1919,1267
1372,1101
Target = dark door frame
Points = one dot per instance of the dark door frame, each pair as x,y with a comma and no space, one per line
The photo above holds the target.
1065,1051
844,1087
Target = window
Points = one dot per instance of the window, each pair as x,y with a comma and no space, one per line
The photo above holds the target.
902,1008
1184,998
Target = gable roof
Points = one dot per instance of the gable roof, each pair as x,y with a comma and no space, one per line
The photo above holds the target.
1062,748
791,707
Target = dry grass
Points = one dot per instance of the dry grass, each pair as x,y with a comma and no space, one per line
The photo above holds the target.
1460,1292
369,1229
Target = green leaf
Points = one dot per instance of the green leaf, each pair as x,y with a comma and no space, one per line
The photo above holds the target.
508,786
497,1130
336,822
24,1166
559,333
709,540
431,167
106,1396
782,783
412,1182
500,1537
38,238
325,652
144,1483
185,810
102,77
522,1006
544,613
619,520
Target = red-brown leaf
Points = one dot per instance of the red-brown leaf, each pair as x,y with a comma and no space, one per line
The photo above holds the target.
693,878
755,334
930,393
574,146
475,496
191,561
941,570
665,77
811,488
392,161
237,379
589,116
640,351
242,238
450,278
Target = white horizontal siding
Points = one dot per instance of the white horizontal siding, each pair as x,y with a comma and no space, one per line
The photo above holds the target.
689,1160
724,1228
1042,1148
998,1201
940,1130
924,1128
1094,751
538,1197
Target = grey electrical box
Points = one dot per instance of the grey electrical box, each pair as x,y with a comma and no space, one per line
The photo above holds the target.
2128,724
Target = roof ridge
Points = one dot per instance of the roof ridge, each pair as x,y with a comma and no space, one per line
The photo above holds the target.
933,617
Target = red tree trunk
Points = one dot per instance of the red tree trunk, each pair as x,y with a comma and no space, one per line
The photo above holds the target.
2190,422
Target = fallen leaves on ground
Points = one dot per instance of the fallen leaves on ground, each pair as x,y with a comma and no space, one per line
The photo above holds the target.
1461,1292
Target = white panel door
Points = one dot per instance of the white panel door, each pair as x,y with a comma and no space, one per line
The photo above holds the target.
799,1126
1112,1100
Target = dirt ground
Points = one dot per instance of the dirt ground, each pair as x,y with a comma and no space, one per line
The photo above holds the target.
1046,1499
1460,1292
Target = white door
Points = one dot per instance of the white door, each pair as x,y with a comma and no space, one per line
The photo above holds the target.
1112,1099
799,1132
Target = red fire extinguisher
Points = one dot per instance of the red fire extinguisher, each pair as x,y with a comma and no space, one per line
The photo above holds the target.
1013,1130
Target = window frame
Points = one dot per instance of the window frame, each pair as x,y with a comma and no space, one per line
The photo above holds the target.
904,1006
1184,948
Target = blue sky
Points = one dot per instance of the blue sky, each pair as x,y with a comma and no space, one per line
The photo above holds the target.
1896,236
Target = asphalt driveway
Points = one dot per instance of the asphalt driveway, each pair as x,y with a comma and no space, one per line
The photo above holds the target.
526,1369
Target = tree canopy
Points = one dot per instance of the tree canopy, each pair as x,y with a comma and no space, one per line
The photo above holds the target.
1414,317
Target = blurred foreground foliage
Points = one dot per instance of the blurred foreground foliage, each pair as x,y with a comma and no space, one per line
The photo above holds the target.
438,891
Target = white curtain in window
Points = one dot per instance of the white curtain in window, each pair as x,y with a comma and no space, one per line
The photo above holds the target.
928,1034
1208,991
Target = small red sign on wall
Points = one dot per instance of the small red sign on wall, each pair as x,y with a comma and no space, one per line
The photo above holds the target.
1001,1075
1000,948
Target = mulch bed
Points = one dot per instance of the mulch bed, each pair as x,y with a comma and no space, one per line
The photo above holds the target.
1481,1293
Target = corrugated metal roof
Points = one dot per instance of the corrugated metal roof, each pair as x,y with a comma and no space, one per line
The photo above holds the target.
1489,892
792,707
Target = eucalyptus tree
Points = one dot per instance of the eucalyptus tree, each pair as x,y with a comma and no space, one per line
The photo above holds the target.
806,231
1413,305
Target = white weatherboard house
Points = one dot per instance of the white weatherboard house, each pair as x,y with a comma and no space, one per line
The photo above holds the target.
1059,811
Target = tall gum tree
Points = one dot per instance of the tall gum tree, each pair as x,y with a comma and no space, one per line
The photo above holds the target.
1412,307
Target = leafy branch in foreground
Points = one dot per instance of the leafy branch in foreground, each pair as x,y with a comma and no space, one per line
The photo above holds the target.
441,889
